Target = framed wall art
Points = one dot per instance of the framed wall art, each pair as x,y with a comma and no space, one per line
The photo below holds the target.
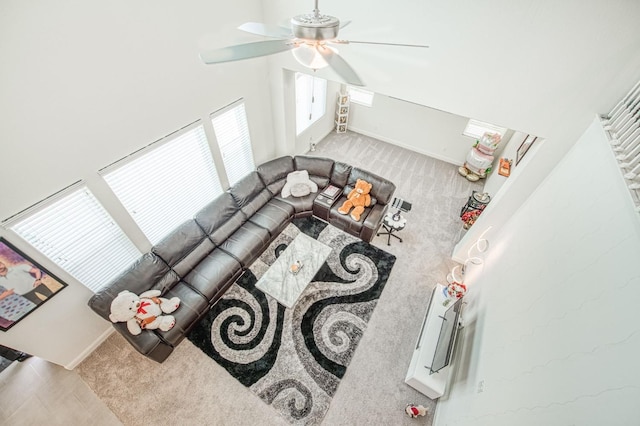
24,285
524,147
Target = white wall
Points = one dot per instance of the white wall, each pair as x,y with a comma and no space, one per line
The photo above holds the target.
540,67
84,84
286,141
552,323
494,181
425,130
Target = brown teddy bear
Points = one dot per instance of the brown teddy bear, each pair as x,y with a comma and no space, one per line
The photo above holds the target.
357,199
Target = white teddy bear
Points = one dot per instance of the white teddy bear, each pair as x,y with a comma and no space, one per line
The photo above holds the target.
144,311
298,184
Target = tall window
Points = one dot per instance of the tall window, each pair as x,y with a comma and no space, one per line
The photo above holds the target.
232,133
78,235
476,129
167,182
311,100
360,96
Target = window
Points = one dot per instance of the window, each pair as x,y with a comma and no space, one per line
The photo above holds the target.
232,133
476,129
167,182
78,235
311,100
360,96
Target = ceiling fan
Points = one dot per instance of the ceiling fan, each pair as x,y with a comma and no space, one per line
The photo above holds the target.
311,38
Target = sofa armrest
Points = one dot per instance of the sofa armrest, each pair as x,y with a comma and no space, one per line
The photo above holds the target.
148,343
372,222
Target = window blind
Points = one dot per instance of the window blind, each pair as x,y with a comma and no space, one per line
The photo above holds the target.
167,184
232,132
476,129
311,100
78,235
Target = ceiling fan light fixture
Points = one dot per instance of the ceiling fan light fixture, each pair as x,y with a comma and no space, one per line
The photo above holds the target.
308,56
315,27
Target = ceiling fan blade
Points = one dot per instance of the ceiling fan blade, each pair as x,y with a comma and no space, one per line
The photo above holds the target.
344,24
246,51
339,65
378,43
265,30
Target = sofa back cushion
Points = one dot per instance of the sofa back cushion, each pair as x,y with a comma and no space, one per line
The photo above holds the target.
274,173
220,218
382,189
319,168
250,194
149,272
184,247
340,174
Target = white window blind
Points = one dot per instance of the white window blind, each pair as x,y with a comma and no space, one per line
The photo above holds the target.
78,235
167,183
232,132
360,96
476,129
311,100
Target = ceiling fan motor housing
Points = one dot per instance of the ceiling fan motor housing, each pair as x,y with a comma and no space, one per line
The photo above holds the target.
315,27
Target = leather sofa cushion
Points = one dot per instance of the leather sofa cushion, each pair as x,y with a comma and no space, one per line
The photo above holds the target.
381,189
147,342
246,189
340,174
246,243
300,204
192,306
184,247
274,216
220,218
319,168
148,272
274,173
344,221
261,198
214,274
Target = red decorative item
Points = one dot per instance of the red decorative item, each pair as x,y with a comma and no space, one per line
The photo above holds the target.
470,217
456,290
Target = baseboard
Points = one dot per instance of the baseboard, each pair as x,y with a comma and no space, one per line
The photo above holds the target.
454,161
77,360
327,133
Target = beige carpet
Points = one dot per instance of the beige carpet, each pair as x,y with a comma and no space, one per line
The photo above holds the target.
189,388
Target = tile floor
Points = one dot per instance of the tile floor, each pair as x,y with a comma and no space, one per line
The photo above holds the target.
36,392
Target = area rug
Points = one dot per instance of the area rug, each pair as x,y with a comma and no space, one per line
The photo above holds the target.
293,359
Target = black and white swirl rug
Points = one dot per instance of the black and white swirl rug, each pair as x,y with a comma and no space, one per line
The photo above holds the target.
293,359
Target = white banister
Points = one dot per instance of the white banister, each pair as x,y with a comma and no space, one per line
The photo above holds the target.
622,125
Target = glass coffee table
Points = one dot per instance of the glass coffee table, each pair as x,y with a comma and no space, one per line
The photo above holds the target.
294,269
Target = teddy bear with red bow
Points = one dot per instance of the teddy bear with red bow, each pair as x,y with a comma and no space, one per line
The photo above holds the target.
144,312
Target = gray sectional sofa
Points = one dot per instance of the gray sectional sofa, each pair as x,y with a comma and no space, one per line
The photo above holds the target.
204,256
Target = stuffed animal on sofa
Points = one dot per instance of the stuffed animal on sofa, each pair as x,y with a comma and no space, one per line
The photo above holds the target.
144,312
298,184
357,199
